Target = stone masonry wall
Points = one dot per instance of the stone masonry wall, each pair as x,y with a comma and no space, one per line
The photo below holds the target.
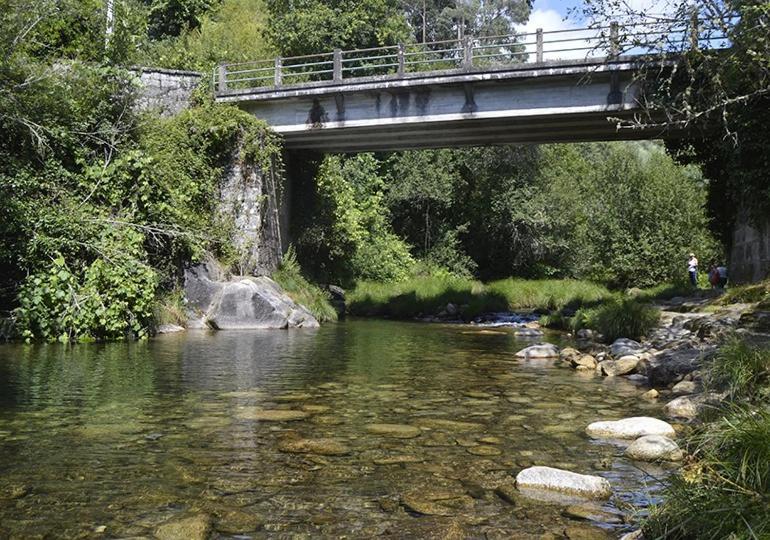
166,91
750,254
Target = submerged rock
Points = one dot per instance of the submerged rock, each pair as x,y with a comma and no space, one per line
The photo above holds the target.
548,478
436,503
528,333
323,447
398,431
654,448
590,512
541,350
448,425
195,527
630,428
271,415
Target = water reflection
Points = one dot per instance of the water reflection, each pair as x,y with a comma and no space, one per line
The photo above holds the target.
270,434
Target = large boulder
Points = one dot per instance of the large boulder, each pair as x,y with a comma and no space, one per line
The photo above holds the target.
550,479
654,448
541,350
257,302
630,428
241,303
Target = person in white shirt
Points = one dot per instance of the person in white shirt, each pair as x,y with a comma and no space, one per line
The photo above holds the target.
692,269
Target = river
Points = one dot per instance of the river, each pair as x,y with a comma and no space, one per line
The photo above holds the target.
112,440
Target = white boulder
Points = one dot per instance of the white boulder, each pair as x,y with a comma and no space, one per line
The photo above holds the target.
654,448
550,479
541,350
630,428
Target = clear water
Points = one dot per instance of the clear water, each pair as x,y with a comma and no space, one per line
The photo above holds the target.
112,440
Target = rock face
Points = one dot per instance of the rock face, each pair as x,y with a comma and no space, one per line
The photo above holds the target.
630,428
541,350
654,448
244,303
550,479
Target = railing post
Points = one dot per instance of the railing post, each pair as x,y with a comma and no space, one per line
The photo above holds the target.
694,30
401,60
337,70
539,45
222,83
614,39
467,45
278,74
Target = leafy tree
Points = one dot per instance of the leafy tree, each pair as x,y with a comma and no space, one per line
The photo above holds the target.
349,236
482,17
299,27
721,96
171,17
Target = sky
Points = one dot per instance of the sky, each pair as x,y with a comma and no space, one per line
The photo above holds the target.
554,15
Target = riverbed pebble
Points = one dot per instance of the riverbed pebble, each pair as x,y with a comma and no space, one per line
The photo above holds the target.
323,447
551,479
398,431
270,415
630,428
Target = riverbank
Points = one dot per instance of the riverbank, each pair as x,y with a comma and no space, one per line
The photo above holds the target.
709,362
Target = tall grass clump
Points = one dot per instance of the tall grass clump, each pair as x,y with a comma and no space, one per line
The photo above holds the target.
428,294
316,300
741,369
625,317
724,492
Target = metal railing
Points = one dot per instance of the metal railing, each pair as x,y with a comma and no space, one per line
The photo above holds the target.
471,54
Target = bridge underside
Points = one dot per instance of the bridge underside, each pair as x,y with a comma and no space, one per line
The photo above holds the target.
571,103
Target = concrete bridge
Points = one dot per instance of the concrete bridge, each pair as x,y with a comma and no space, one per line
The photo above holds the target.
561,86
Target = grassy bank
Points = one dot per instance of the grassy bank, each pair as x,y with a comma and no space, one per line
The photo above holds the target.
723,491
290,278
428,295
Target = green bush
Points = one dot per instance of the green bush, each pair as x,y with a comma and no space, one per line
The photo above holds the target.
625,317
743,370
112,298
289,276
724,491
